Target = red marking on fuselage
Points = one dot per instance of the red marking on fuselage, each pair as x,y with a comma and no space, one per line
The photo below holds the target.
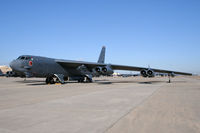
30,63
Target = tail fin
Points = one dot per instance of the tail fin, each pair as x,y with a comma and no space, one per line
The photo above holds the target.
102,55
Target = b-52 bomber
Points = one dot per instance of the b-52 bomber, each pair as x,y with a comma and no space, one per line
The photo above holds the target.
59,70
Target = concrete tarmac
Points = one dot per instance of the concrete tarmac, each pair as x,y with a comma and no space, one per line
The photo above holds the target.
109,105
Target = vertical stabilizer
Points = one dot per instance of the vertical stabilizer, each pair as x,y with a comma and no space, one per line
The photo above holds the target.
102,55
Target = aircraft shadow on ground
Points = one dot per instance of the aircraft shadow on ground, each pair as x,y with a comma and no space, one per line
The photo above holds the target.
131,81
136,82
29,81
32,82
43,83
151,82
179,81
100,82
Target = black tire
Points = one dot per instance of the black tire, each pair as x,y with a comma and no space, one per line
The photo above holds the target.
88,80
81,80
47,80
50,80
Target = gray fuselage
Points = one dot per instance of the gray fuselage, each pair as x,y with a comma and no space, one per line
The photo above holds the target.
37,66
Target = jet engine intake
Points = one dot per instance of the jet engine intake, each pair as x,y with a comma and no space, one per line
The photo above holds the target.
104,69
147,73
107,70
98,69
150,73
144,73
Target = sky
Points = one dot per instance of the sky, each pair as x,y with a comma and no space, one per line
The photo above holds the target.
164,34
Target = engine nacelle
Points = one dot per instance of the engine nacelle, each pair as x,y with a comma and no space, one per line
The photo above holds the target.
98,69
10,74
144,73
147,73
172,74
107,70
150,73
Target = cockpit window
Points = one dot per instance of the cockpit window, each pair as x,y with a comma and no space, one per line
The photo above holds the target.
27,58
19,57
24,58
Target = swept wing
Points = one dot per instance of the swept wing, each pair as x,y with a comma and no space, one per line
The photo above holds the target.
91,65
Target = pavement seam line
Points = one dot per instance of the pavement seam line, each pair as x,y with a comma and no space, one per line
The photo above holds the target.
132,109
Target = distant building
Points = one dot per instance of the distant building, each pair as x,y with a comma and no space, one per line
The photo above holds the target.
116,74
1,74
4,69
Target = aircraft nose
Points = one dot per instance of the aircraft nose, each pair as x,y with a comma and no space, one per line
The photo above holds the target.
13,65
16,65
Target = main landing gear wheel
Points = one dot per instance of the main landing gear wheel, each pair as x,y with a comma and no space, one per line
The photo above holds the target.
50,80
81,80
85,80
89,80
